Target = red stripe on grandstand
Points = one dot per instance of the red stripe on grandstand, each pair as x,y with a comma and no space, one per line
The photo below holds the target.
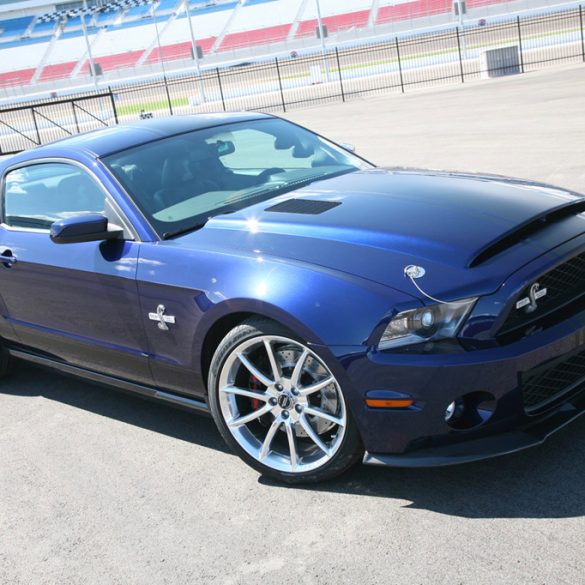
414,9
335,23
58,71
179,50
270,34
112,62
478,3
22,77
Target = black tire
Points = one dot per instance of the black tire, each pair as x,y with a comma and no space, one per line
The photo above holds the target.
348,452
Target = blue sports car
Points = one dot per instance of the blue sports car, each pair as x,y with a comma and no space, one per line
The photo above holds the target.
323,310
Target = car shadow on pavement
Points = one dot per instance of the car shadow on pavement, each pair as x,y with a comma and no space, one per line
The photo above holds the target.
30,380
544,482
547,481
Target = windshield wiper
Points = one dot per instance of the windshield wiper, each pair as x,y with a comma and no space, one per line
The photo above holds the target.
185,230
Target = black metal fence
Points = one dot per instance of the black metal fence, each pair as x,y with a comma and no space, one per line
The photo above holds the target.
456,55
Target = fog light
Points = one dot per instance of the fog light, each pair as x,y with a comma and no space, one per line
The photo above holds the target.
470,410
454,410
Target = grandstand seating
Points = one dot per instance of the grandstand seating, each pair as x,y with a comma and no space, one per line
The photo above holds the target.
122,34
262,36
43,28
112,62
12,78
179,50
335,23
58,71
405,10
15,27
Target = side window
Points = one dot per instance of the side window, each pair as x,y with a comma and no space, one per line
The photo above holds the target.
37,195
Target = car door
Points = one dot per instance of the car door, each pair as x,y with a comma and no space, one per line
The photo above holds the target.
74,302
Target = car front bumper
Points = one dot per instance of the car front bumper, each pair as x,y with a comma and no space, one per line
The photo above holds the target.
485,447
419,436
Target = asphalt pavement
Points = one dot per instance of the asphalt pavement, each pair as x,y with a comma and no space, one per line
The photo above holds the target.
97,487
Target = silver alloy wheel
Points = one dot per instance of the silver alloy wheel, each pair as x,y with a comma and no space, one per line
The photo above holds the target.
282,404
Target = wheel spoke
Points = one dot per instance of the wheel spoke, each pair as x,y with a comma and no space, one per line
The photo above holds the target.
325,415
273,365
244,392
313,435
308,433
316,387
243,420
296,375
292,445
262,378
269,436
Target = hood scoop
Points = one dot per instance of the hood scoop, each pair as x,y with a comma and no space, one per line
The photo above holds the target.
527,229
303,206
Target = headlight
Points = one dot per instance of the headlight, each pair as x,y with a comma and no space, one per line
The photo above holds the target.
424,324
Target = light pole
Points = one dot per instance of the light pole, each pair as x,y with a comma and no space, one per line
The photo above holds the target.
162,61
460,4
322,38
194,48
88,45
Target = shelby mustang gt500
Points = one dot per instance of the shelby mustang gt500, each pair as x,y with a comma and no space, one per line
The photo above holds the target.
321,309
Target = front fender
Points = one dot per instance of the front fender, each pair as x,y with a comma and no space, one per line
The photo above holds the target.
200,287
322,306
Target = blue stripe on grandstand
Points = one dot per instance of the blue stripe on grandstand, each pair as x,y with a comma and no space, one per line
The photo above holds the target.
71,34
15,26
73,22
105,18
20,42
138,12
167,6
44,27
197,9
252,2
142,22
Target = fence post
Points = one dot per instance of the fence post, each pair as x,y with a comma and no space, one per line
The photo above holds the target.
75,115
168,95
520,44
582,37
220,88
36,126
461,73
399,65
280,84
339,72
113,105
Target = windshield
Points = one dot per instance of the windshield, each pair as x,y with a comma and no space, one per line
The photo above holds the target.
182,181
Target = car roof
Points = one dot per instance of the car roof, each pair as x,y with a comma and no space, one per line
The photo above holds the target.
127,135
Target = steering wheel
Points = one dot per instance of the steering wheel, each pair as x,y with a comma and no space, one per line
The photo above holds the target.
267,173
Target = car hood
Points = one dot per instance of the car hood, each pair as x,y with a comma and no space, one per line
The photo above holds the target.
384,220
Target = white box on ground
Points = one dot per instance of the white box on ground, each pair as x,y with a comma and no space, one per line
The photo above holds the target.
316,74
500,61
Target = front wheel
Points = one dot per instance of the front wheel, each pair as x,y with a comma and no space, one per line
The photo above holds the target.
279,407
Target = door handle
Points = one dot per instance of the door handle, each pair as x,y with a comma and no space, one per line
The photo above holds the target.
7,258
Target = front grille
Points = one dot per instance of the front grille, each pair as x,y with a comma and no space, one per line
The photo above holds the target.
564,285
545,384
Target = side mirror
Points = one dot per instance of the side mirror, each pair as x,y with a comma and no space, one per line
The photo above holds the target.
89,227
346,146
